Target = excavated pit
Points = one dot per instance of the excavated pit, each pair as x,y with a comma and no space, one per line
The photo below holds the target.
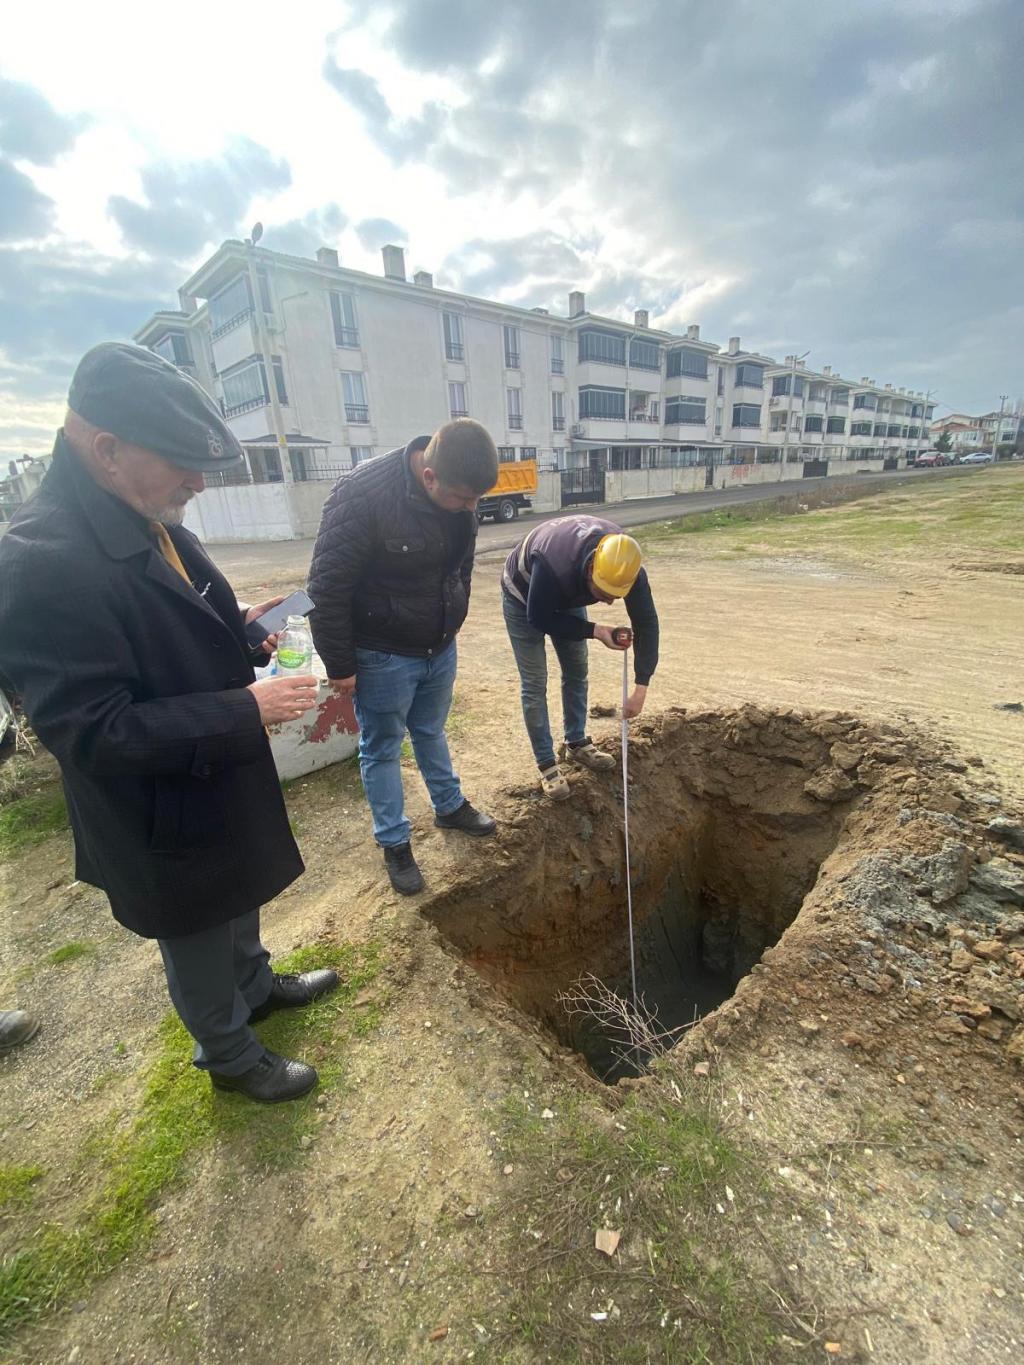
726,844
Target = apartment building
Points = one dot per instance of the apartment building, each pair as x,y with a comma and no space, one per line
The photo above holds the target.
991,430
318,367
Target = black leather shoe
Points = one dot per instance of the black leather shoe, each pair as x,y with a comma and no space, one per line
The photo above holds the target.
467,819
405,876
273,1080
16,1027
290,992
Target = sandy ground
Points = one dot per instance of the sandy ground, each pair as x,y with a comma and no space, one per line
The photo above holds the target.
359,1251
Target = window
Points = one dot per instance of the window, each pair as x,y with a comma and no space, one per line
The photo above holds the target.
691,363
916,410
453,347
506,454
528,453
860,428
780,384
865,400
778,421
645,355
514,407
746,414
360,454
175,348
356,409
818,393
607,404
231,306
607,347
245,387
915,431
880,429
894,430
749,377
557,355
836,426
457,405
511,335
653,409
685,411
263,288
814,424
343,315
720,389
277,365
558,455
840,398
558,412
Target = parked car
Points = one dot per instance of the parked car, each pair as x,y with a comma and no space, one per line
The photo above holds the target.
977,457
931,459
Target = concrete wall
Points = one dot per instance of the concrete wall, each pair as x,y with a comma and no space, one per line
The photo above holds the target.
857,466
622,485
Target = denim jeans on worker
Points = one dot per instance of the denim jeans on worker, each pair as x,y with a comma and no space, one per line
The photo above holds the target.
395,693
528,645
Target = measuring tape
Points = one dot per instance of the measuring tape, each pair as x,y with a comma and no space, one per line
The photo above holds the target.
617,635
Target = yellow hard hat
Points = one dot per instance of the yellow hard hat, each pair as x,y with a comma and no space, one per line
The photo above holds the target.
617,561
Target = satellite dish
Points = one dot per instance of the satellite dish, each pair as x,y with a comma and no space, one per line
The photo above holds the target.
257,233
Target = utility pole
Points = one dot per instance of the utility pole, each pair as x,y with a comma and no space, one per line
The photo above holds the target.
999,428
789,410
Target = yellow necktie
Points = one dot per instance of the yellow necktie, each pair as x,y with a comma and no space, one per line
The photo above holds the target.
166,547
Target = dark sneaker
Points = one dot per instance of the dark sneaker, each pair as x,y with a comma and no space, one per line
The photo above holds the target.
467,819
290,992
273,1080
16,1027
405,876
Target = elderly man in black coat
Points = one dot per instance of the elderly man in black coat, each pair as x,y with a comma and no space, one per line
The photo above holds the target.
128,649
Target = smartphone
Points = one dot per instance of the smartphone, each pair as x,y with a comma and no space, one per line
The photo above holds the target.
297,604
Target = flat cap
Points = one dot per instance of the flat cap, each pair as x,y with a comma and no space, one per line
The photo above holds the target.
146,400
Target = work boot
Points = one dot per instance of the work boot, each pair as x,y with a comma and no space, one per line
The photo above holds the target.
588,755
273,1080
467,819
405,876
16,1027
291,991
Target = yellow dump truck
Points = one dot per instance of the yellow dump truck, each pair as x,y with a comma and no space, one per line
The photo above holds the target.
516,481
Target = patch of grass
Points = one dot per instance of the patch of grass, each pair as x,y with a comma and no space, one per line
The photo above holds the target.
690,1281
69,952
179,1115
16,1184
28,820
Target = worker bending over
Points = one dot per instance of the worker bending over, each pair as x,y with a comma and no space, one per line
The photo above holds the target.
549,580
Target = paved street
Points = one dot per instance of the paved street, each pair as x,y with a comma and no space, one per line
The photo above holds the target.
289,559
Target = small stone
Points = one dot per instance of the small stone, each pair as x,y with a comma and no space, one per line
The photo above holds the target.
1000,880
851,1038
959,1226
547,1114
961,960
305,1141
830,785
1005,831
992,1029
438,1334
990,949
810,1027
508,1169
834,1348
702,1069
1015,1047
949,1023
606,1240
846,756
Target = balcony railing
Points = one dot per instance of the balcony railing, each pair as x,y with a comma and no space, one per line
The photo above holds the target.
643,417
347,336
454,350
358,413
459,412
515,423
557,366
233,409
558,424
512,360
231,323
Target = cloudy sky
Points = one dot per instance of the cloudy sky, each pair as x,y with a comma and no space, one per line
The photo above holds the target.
808,174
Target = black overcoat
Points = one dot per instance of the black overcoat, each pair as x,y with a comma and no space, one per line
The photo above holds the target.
136,682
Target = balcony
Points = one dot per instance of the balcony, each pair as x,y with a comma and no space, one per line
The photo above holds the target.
558,424
512,360
454,350
235,321
357,413
557,366
347,336
515,423
233,409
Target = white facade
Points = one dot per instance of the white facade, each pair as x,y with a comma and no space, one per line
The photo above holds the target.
318,367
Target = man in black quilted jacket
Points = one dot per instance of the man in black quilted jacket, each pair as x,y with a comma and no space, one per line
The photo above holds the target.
390,578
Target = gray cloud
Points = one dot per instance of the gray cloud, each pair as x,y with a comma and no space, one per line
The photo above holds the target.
844,179
302,236
191,206
377,232
31,128
24,212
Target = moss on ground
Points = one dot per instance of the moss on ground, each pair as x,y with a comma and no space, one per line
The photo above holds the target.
178,1116
27,820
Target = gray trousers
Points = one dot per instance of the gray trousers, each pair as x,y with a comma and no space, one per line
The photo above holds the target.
215,979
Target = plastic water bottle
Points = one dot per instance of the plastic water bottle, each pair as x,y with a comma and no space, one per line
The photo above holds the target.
295,646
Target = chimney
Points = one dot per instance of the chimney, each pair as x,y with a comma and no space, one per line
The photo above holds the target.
640,317
394,262
186,302
734,345
326,255
790,359
542,311
888,388
577,303
827,371
424,279
693,332
864,379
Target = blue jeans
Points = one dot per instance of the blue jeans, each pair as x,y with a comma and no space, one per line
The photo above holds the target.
394,694
531,660
215,978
